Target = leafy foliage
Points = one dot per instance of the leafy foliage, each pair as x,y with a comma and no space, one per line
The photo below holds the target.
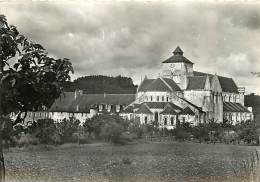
107,127
66,129
44,130
29,77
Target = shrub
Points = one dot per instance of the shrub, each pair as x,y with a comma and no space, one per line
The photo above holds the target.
181,134
66,128
44,130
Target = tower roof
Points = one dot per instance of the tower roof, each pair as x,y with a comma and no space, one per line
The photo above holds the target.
177,57
178,51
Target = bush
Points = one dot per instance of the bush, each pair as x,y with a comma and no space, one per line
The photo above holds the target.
181,134
107,127
66,128
44,130
27,139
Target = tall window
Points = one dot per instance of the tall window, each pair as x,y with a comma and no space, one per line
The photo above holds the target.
158,98
162,98
165,121
172,121
167,99
145,119
151,98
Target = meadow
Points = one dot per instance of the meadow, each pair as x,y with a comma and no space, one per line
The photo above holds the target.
139,161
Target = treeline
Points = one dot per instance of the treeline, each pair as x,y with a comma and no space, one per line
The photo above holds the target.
98,84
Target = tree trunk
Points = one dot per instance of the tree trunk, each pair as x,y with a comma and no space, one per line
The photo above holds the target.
2,162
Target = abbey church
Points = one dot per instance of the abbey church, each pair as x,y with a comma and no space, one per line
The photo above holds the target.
184,95
180,94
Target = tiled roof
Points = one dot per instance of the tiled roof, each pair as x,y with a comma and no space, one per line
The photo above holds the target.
178,51
234,107
129,109
177,57
227,84
144,84
161,105
199,108
196,82
168,110
83,102
172,84
159,84
144,110
186,111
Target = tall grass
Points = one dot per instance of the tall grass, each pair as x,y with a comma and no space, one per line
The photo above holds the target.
250,169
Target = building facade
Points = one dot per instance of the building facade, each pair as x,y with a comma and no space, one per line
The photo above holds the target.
179,95
184,95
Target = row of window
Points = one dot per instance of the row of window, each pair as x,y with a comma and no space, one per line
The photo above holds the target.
230,98
108,108
157,98
165,120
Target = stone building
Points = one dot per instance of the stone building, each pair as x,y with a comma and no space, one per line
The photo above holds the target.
179,95
184,95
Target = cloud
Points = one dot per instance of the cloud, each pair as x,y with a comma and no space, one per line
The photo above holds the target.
133,38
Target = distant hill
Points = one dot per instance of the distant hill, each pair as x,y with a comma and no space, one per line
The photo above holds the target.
253,100
98,84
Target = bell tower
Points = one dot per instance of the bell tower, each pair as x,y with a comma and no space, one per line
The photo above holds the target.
178,68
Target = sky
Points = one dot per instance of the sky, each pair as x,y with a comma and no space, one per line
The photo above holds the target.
132,38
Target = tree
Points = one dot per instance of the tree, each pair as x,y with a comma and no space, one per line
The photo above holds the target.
29,78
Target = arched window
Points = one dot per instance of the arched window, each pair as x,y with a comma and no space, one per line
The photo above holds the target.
156,116
165,121
145,119
172,121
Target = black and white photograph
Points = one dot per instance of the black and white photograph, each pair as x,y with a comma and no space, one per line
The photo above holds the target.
129,91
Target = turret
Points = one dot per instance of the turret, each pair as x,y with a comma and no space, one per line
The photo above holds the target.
178,68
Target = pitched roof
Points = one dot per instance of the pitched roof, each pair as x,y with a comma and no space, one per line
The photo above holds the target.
177,57
83,102
161,105
144,110
186,111
144,84
172,84
168,110
227,84
196,82
178,51
129,109
198,108
159,84
234,107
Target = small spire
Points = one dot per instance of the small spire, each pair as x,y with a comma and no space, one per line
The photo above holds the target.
178,51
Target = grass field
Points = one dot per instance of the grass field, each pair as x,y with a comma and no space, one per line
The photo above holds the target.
136,162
